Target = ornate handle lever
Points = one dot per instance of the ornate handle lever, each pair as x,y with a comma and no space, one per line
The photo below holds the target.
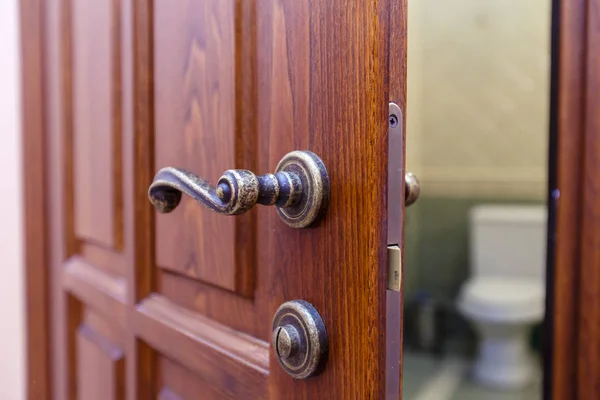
299,189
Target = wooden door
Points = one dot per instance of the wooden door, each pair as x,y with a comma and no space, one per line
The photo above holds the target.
179,306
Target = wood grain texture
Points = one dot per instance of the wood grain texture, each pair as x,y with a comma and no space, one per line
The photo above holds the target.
102,292
588,383
96,114
65,311
108,260
179,383
236,364
398,52
62,60
323,73
562,306
36,257
201,104
76,286
183,78
226,308
139,122
101,367
311,76
80,284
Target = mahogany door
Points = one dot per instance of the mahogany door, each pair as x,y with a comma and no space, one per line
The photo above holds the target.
180,305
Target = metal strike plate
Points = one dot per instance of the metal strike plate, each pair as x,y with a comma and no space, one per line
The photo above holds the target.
299,339
394,280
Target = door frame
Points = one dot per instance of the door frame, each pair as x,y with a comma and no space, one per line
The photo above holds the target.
572,345
37,272
572,306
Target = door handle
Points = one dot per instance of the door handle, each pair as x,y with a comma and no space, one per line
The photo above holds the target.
412,188
299,189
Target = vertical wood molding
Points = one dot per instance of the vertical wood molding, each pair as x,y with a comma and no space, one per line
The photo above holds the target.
573,305
141,276
36,271
93,112
588,354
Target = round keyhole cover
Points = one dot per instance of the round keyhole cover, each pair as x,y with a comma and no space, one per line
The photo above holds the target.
299,339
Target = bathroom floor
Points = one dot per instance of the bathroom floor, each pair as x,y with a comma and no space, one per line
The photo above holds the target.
429,378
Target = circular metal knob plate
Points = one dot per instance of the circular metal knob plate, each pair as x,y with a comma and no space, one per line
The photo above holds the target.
315,188
299,339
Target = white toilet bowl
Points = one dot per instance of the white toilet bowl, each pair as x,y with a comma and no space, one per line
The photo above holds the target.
503,312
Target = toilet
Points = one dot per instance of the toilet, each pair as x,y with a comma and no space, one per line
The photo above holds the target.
504,296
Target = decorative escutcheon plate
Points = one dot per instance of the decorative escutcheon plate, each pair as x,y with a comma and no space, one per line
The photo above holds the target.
299,339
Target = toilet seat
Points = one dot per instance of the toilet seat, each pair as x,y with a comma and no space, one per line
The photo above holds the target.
502,300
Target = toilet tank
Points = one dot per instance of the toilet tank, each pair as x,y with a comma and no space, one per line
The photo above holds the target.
508,241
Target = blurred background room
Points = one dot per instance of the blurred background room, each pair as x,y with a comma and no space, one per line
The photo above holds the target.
477,137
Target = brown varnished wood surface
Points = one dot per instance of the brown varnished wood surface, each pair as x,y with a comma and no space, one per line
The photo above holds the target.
588,354
101,364
575,281
36,257
91,286
199,90
183,384
323,70
204,113
63,327
565,278
161,309
96,119
200,345
87,255
143,371
568,218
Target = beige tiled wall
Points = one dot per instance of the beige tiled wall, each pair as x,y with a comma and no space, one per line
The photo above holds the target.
478,95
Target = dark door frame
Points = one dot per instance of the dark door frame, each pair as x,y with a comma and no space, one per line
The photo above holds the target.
33,141
572,345
573,303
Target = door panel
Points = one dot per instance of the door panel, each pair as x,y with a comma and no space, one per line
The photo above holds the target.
200,74
232,363
100,360
179,306
96,140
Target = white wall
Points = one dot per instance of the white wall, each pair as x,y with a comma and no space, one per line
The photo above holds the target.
12,301
478,89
